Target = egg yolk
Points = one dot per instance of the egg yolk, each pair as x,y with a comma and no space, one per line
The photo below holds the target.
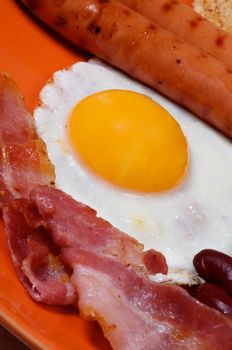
129,140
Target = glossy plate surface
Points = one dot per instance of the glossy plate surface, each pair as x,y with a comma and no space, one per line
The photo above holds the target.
31,54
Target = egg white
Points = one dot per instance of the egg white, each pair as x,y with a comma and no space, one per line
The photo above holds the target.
195,215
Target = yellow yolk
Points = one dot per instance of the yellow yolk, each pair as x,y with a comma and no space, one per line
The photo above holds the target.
129,140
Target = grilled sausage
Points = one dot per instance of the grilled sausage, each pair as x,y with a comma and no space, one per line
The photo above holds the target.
182,20
155,56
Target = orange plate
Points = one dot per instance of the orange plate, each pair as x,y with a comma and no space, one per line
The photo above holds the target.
31,54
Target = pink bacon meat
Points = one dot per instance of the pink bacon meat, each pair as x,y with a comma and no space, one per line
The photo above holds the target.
143,314
23,157
16,123
37,261
24,164
72,223
134,312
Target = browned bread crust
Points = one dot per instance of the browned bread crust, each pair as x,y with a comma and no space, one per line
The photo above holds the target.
217,11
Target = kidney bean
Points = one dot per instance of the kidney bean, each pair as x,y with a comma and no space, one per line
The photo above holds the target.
214,266
215,297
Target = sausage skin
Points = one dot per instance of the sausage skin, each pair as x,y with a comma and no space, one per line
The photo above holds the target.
153,55
187,24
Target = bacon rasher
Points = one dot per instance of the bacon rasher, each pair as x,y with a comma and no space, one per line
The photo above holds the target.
72,223
133,311
16,122
138,314
24,164
23,158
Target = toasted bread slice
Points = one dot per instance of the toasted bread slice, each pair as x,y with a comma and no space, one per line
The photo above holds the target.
217,11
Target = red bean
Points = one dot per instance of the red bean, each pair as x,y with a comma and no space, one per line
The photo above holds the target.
215,267
215,297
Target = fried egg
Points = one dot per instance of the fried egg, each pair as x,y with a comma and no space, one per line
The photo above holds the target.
142,162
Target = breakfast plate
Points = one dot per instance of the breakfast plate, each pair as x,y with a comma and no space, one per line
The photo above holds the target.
31,55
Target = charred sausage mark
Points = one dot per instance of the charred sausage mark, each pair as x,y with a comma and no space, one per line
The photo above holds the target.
151,27
178,61
195,22
94,28
97,30
169,5
220,41
228,70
